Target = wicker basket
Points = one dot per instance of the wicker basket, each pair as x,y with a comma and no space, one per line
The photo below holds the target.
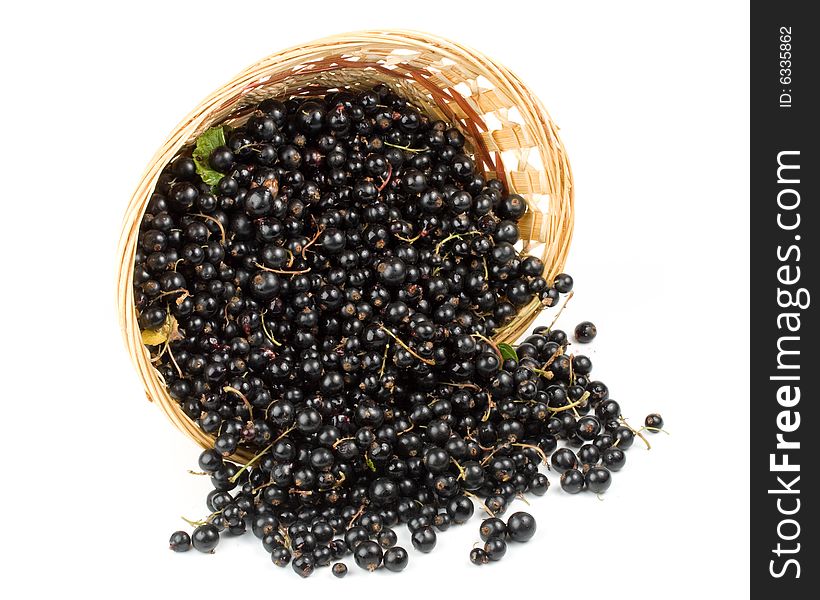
507,129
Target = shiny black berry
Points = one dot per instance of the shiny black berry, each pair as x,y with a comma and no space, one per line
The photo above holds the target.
598,479
396,559
572,481
479,557
424,540
280,556
614,459
495,548
563,283
303,565
563,459
368,555
180,541
492,527
387,538
585,332
205,538
521,527
653,422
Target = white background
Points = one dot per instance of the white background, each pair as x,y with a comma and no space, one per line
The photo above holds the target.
653,105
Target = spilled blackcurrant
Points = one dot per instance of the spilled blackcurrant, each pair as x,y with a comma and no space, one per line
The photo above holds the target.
585,332
521,527
180,541
322,283
654,422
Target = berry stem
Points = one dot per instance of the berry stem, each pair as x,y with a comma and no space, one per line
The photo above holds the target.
454,236
552,358
312,240
173,360
636,432
427,361
260,454
560,310
487,458
386,179
233,390
540,452
405,148
461,470
403,431
281,271
492,344
469,386
409,240
180,300
263,486
571,405
358,514
384,359
218,224
490,407
204,521
267,333
480,501
542,373
160,355
284,532
523,498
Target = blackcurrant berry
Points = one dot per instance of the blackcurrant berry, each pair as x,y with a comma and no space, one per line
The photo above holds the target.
479,557
387,538
539,484
205,538
563,283
396,559
492,527
424,540
563,459
598,480
614,459
495,548
572,481
585,332
654,422
180,541
280,556
368,555
303,565
521,527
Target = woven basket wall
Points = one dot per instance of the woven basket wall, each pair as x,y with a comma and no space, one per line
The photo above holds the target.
507,129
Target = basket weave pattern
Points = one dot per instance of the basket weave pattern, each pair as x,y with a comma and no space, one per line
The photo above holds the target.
507,130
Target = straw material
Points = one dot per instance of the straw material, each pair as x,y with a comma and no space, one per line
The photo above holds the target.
507,129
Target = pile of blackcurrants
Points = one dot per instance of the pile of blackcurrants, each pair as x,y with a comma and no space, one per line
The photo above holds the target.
319,288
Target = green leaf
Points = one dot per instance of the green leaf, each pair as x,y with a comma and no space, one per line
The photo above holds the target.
508,352
205,144
155,337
